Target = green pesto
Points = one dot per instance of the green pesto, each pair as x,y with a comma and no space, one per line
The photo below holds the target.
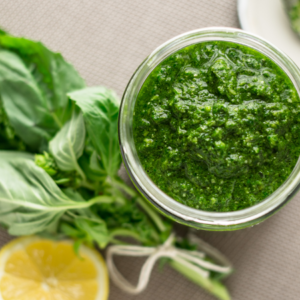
217,126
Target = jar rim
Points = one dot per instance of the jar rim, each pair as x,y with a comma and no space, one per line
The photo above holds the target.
169,206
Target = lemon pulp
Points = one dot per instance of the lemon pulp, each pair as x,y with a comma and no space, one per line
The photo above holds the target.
40,269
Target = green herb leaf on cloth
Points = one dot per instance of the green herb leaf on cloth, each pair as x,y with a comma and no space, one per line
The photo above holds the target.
30,201
100,108
23,102
54,75
68,144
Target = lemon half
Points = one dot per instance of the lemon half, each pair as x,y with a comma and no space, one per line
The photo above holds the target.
32,268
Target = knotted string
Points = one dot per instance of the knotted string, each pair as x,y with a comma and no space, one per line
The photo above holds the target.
194,260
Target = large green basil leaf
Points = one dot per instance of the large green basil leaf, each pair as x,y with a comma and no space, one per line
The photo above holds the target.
47,79
100,108
23,102
68,144
54,75
30,201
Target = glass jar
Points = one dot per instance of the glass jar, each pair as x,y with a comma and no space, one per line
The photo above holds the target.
181,213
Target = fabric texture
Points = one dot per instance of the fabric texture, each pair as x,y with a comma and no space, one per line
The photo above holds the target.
106,41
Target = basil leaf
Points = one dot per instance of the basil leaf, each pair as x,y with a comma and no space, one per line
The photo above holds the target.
87,231
23,102
73,194
100,108
8,138
68,144
53,74
86,225
92,167
35,81
94,230
30,201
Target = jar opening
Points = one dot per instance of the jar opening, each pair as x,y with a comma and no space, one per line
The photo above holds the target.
182,213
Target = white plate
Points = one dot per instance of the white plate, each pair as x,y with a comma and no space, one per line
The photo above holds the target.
268,19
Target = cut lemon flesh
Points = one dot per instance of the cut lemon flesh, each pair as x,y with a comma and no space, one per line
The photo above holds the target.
32,268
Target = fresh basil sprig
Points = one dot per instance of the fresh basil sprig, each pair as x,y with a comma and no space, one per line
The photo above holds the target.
30,201
100,108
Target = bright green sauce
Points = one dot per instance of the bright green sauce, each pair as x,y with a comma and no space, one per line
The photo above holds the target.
217,126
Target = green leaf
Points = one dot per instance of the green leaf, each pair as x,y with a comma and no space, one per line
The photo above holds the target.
76,247
68,144
71,231
23,102
100,108
92,167
8,138
214,287
73,194
35,78
55,76
95,230
30,201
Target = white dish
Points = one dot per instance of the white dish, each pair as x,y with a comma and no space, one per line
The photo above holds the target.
268,19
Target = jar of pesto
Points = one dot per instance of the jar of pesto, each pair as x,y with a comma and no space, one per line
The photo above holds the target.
209,129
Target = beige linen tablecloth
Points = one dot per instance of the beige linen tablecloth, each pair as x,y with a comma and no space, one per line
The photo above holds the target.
106,41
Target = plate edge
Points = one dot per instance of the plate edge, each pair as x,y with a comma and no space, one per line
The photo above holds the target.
242,6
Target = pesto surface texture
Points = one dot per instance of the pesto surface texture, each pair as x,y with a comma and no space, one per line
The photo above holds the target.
217,126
